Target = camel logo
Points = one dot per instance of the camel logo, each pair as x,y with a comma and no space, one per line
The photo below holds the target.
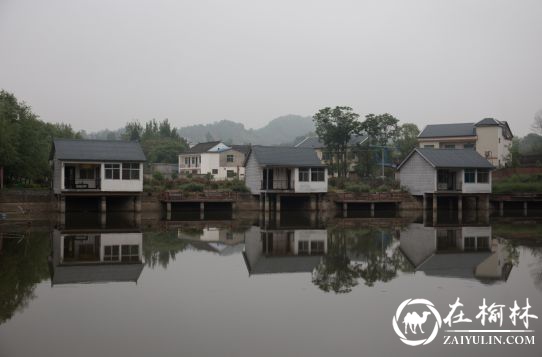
413,322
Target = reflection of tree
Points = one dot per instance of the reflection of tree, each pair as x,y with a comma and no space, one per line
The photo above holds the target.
159,248
536,271
23,264
369,254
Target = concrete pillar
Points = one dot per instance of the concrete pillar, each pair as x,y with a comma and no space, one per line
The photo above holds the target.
202,211
313,203
137,219
103,219
137,204
435,200
372,209
501,208
103,206
460,208
525,208
345,209
266,203
261,201
62,219
425,202
168,211
62,205
277,204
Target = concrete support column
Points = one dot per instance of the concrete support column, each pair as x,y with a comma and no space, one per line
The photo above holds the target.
168,211
313,203
103,205
425,202
345,209
103,219
460,208
62,205
525,208
277,205
501,208
435,200
372,209
262,199
202,211
266,203
137,204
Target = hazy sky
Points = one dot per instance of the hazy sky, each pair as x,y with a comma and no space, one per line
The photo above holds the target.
98,64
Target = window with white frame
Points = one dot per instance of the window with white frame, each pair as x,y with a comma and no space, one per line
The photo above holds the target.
304,175
229,158
111,253
230,173
130,253
130,171
482,176
112,171
318,174
470,175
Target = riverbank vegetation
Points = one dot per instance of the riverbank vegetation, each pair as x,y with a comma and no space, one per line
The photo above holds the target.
159,183
354,185
519,183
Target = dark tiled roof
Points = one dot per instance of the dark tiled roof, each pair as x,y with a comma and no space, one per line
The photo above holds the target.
447,130
275,265
245,149
285,156
453,158
488,121
202,147
315,142
97,150
96,273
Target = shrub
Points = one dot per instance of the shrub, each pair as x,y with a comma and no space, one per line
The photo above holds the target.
238,186
357,187
157,176
192,187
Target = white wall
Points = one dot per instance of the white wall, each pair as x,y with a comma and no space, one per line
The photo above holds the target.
310,186
418,175
122,185
309,235
209,161
476,187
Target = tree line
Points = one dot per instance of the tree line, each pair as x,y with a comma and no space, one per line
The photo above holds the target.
26,141
336,126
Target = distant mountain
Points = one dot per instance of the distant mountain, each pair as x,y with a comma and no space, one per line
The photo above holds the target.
282,130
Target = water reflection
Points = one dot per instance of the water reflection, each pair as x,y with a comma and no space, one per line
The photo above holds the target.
95,257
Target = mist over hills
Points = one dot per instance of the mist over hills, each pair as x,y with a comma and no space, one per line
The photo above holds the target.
282,130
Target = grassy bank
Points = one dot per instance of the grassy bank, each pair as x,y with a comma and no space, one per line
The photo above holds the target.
519,183
192,184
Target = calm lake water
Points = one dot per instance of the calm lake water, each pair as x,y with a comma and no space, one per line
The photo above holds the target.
293,285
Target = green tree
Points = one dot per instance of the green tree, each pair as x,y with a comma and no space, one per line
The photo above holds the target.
335,127
133,131
407,139
382,129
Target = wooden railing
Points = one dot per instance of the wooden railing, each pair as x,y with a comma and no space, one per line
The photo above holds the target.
206,195
366,196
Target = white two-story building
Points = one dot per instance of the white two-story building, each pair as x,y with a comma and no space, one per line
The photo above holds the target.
274,172
97,168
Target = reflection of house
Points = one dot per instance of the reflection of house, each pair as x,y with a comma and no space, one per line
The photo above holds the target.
215,158
458,252
452,171
489,137
285,251
324,155
82,257
223,241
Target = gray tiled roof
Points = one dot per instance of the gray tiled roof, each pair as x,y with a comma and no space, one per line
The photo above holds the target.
96,273
459,158
447,130
293,264
315,142
97,150
245,149
285,156
488,121
456,265
202,147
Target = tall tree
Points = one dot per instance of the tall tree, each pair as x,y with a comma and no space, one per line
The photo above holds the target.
335,127
407,139
382,129
537,124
